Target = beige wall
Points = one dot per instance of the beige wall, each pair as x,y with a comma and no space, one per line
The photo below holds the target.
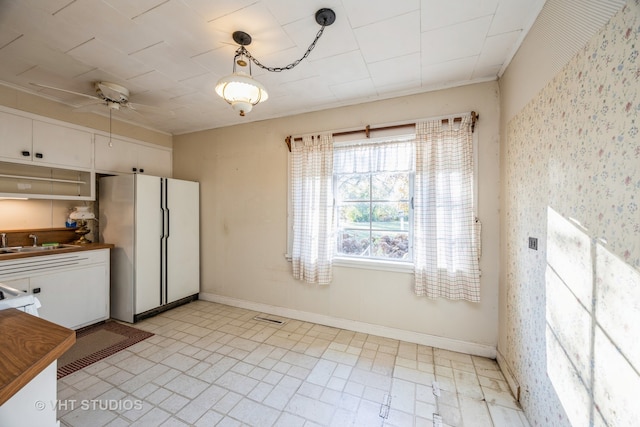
243,175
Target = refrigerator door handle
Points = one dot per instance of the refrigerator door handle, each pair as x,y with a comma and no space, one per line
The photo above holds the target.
163,243
168,223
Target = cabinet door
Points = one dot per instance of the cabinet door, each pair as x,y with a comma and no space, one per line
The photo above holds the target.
73,298
61,145
154,161
15,137
115,155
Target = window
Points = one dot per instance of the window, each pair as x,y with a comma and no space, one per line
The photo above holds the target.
373,190
397,202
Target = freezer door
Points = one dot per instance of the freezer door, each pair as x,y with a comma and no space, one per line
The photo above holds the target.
183,241
148,237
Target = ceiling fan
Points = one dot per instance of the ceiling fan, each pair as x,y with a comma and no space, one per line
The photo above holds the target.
114,96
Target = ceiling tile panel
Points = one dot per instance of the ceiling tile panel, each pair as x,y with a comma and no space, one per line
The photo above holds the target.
301,88
390,72
360,89
33,52
132,9
365,12
395,37
27,17
438,13
498,47
95,18
447,73
103,56
211,10
181,27
152,81
510,17
485,73
49,6
7,35
169,61
336,39
257,21
342,68
455,41
399,88
287,11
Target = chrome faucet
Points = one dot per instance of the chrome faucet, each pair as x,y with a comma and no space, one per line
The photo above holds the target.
35,239
3,243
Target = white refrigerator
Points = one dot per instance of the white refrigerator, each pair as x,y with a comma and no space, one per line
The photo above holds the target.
154,224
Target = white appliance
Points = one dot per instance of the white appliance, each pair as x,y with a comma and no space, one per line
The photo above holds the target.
15,298
154,224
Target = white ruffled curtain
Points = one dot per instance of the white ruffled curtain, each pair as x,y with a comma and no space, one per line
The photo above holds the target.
312,205
445,240
393,156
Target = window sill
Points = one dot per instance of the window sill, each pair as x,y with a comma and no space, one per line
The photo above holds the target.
370,264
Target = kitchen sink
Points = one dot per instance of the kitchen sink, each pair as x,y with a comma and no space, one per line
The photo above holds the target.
19,249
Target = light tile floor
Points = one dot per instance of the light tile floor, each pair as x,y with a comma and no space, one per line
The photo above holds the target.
213,365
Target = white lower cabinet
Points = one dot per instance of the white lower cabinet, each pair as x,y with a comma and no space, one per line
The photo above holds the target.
73,288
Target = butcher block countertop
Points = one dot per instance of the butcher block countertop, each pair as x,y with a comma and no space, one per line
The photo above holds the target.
28,344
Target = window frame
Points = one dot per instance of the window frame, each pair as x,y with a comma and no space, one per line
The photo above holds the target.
371,201
376,264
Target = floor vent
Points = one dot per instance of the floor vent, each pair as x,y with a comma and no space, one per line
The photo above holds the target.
266,319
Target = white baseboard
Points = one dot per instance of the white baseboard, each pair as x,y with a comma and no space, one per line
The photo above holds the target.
508,374
353,325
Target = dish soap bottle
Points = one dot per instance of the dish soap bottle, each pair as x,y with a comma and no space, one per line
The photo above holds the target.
70,223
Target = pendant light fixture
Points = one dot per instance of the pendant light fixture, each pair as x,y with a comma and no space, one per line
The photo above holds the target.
240,89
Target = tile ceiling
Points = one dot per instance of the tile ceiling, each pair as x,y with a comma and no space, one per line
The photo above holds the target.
170,53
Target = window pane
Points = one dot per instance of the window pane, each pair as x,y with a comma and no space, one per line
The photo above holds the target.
390,216
354,215
353,187
353,242
390,245
390,186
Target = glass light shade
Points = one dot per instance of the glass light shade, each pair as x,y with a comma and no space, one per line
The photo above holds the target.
241,91
82,212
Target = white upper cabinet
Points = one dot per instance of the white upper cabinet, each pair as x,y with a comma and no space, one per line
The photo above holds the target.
31,141
154,161
15,137
60,145
113,155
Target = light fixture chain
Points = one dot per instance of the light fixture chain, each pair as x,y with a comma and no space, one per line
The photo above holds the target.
294,63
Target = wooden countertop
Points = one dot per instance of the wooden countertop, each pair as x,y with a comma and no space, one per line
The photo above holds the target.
28,344
77,248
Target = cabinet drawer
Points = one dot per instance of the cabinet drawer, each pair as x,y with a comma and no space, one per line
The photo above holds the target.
44,264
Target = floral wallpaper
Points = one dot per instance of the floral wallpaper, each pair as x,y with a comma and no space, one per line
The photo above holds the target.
572,171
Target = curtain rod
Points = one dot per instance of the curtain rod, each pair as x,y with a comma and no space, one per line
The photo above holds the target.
367,130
